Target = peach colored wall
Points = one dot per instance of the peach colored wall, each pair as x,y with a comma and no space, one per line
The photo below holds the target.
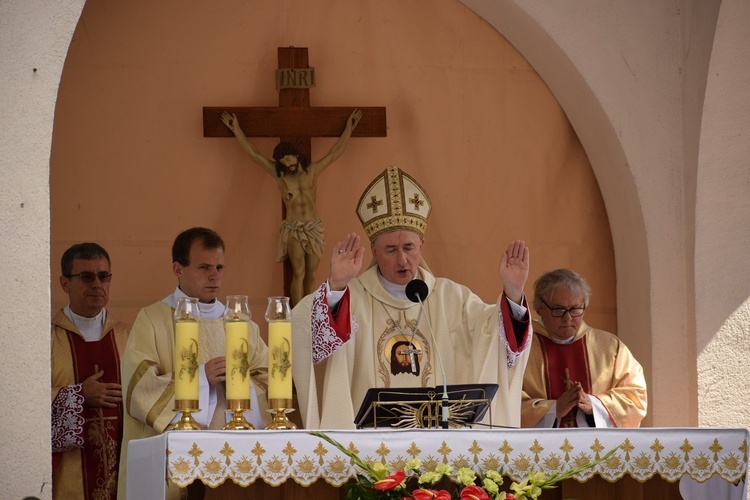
467,116
573,48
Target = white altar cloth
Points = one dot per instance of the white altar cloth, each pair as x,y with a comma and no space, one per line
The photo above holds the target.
214,457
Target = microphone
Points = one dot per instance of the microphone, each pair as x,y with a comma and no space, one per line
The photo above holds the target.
417,291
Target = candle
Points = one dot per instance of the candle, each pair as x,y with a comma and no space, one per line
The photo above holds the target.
238,364
186,378
280,360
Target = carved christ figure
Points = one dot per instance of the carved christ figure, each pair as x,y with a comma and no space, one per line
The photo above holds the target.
301,233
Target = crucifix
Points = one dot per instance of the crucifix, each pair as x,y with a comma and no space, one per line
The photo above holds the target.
295,123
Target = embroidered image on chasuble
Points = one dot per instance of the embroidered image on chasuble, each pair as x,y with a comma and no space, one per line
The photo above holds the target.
398,344
85,440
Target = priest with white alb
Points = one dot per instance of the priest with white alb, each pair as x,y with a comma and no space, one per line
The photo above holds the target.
147,364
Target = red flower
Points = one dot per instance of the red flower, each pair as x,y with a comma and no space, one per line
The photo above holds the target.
390,482
422,494
474,493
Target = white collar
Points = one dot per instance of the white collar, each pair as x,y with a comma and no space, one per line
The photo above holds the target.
397,291
212,310
92,329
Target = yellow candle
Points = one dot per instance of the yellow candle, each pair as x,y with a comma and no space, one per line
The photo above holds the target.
238,364
279,360
186,379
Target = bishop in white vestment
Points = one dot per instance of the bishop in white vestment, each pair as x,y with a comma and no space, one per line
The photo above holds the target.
356,333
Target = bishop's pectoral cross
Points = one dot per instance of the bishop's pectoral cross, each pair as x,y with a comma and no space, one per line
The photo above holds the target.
412,351
294,121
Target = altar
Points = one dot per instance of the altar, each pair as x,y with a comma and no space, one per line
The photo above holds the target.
297,459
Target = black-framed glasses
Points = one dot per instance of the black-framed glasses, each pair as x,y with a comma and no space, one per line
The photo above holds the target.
559,312
88,277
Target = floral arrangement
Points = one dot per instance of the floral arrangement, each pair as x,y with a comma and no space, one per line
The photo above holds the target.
445,483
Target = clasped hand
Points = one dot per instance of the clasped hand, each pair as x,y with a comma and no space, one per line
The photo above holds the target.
574,396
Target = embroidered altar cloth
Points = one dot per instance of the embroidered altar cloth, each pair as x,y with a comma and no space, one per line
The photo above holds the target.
244,457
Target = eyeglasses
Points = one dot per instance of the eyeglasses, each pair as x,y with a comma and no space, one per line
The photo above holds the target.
89,277
559,312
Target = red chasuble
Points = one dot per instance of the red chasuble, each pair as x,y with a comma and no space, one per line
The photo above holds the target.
102,430
565,363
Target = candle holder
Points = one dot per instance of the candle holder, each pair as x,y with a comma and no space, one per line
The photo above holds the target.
186,421
186,316
238,407
279,317
279,408
236,327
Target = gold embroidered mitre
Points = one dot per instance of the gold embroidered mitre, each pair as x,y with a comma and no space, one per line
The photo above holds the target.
393,201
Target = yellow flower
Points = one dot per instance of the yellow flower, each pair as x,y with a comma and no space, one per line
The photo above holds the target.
538,479
466,476
490,486
495,476
413,464
444,469
525,489
429,477
380,470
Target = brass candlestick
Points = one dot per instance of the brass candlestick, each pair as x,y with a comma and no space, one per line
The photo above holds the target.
186,422
279,408
238,407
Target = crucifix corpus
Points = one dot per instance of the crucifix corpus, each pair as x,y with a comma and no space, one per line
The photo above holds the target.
295,123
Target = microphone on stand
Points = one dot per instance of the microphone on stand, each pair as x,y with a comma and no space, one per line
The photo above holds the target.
417,291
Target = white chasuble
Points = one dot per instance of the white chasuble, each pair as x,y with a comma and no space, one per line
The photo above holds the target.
470,336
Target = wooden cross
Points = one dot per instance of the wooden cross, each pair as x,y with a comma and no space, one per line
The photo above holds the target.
294,121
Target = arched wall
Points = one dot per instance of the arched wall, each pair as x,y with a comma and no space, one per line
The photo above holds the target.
36,34
722,211
34,39
633,164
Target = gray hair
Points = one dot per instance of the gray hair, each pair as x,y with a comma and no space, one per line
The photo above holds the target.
550,281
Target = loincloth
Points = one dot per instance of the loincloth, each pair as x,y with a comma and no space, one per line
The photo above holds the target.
308,234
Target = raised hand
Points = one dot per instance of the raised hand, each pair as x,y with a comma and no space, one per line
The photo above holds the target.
101,394
346,261
514,270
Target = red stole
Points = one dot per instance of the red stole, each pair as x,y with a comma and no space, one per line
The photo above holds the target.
561,357
103,428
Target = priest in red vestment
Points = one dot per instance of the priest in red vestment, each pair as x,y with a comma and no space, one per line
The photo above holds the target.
577,376
87,344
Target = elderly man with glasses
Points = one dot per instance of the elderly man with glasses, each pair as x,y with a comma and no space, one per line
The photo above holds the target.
87,344
577,376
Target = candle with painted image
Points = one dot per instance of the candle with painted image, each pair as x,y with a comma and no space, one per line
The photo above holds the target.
236,328
279,316
186,332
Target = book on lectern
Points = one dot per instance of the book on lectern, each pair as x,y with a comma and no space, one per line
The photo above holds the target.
420,407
